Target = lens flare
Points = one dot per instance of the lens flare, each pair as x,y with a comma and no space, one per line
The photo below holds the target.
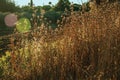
23,25
10,20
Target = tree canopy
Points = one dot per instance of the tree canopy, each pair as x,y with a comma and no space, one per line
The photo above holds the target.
62,5
7,6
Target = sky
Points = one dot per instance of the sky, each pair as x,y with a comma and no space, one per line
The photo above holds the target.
43,2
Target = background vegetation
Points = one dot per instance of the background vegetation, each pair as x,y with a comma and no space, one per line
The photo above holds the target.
52,12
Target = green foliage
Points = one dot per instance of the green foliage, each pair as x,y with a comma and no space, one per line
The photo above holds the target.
77,7
26,9
4,30
2,15
38,8
46,7
62,5
7,6
85,7
26,15
4,63
31,3
52,16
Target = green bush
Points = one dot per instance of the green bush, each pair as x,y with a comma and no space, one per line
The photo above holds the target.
52,16
26,15
7,6
26,9
46,7
4,30
2,16
4,63
77,7
62,5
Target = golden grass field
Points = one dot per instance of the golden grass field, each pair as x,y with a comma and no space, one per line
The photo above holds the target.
86,46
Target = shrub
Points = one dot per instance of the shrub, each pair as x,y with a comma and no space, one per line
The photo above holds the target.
7,6
46,7
4,30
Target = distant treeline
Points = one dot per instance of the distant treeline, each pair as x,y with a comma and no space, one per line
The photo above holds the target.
47,13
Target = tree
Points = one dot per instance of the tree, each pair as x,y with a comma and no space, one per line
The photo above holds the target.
62,5
31,3
46,7
50,3
52,16
77,7
7,6
85,6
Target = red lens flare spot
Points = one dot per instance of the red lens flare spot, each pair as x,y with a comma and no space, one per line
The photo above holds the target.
10,20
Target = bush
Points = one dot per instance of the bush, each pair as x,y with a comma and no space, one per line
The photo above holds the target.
77,7
4,30
7,6
2,16
52,16
62,5
46,7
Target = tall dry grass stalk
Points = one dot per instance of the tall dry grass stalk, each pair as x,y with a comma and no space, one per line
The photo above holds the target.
86,47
